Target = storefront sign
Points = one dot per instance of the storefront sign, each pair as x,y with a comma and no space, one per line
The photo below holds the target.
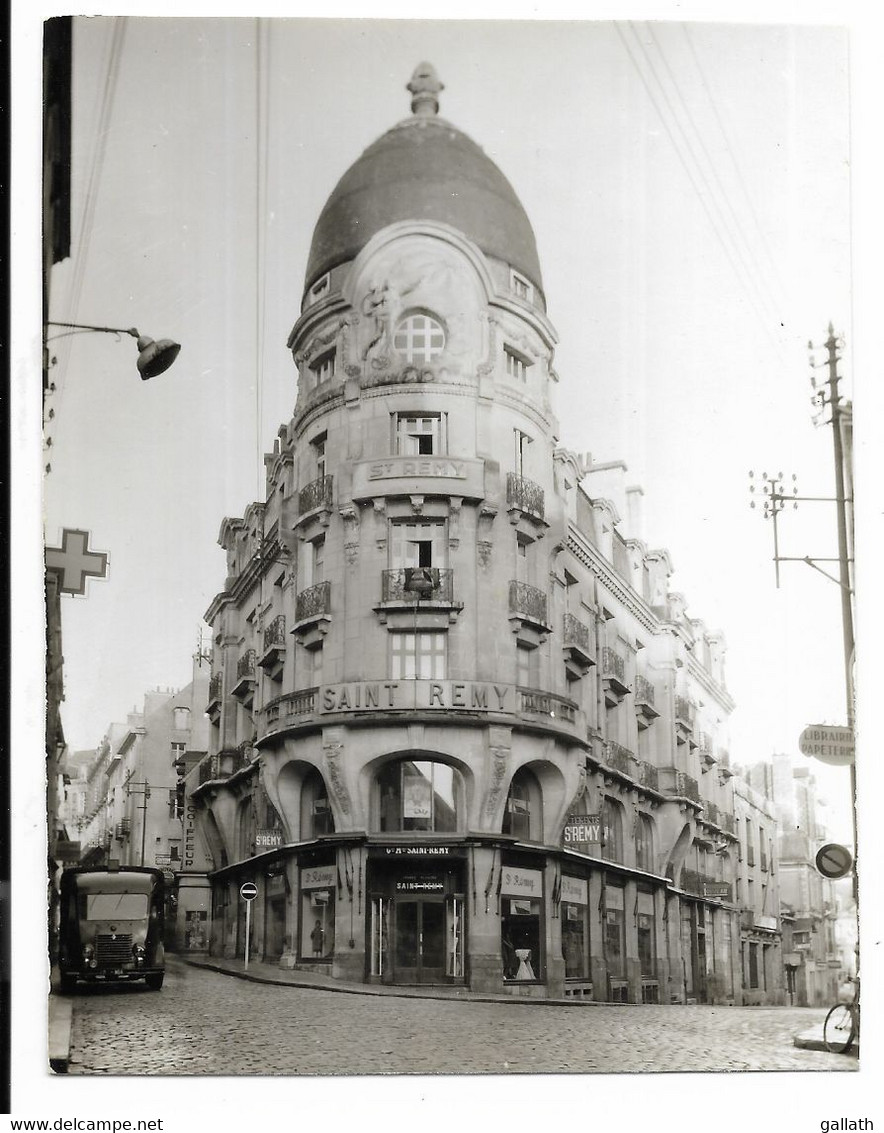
408,466
582,831
429,883
318,877
268,839
828,744
574,889
386,696
521,882
189,835
764,920
412,851
717,889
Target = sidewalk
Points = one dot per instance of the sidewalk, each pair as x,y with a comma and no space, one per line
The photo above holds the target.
812,1039
61,1011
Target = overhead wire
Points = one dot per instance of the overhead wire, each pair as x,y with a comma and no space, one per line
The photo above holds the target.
747,285
736,228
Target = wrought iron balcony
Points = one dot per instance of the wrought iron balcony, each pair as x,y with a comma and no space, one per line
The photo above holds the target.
523,495
316,495
675,782
244,688
243,755
314,602
613,676
684,720
724,762
618,757
578,645
647,775
726,822
417,584
209,769
528,604
644,699
288,708
712,813
706,750
272,657
214,705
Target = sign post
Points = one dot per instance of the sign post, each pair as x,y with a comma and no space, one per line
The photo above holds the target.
248,891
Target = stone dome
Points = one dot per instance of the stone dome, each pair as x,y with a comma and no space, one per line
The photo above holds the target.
424,169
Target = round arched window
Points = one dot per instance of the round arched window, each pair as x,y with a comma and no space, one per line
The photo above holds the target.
419,338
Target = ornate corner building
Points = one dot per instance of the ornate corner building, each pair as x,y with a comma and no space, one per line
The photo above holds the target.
462,732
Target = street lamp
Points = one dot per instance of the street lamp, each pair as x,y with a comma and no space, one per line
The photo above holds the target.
153,358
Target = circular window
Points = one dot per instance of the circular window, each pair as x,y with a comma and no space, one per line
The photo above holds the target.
419,338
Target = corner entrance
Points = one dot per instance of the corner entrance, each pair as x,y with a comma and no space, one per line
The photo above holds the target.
419,935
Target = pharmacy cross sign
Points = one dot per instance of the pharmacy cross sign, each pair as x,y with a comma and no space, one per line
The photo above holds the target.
73,562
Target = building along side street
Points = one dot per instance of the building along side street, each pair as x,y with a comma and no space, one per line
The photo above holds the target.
300,1031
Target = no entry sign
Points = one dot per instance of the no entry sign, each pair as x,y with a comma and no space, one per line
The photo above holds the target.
248,891
833,861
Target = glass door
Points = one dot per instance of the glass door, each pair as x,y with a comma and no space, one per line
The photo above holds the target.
419,941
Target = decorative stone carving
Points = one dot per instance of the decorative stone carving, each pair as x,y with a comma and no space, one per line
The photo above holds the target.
454,505
483,551
499,764
350,516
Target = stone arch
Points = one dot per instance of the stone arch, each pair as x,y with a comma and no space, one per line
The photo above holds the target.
552,798
291,797
215,842
371,783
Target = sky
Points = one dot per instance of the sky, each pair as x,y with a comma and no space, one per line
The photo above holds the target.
689,188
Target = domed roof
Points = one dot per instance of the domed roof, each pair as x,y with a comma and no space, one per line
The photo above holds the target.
424,169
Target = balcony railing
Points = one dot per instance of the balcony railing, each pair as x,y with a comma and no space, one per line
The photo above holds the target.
679,783
712,813
577,633
524,494
684,712
274,634
215,688
398,585
301,703
613,664
313,602
245,666
528,602
243,755
535,702
644,691
316,494
209,769
647,775
726,822
618,757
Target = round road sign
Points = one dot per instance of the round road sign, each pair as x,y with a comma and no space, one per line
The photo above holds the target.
833,861
248,891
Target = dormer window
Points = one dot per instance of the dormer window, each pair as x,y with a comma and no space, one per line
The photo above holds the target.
521,288
419,338
319,288
516,364
323,368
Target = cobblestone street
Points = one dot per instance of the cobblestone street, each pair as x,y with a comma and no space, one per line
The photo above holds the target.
187,1029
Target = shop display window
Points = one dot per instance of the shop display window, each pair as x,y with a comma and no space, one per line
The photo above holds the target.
418,795
318,924
575,941
521,936
615,932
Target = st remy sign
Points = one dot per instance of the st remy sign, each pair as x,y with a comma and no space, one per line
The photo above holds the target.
475,696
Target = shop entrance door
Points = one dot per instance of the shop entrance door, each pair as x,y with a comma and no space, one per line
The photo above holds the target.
419,941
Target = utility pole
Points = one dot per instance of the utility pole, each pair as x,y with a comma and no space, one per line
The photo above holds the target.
142,789
826,396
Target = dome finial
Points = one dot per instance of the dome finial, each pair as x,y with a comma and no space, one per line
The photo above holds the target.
424,87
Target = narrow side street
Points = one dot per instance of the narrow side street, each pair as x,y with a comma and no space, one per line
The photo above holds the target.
289,1031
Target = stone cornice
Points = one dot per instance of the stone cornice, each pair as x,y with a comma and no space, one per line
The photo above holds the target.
591,558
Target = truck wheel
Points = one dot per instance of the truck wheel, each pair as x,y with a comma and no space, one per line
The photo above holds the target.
155,980
67,983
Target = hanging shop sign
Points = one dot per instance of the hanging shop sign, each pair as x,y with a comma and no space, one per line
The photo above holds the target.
582,832
268,839
720,890
574,890
318,877
521,882
828,744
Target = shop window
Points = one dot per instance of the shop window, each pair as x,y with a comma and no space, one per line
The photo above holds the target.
522,814
419,435
647,945
575,928
418,795
419,338
316,814
318,912
612,831
615,932
644,843
418,656
520,936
